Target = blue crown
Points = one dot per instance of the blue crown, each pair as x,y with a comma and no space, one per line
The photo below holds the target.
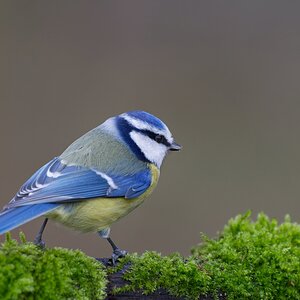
146,117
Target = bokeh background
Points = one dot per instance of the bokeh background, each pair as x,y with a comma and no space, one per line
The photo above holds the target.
224,76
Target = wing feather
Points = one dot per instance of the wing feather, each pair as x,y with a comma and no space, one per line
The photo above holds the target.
59,182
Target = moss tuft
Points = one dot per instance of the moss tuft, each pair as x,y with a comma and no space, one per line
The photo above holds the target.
249,260
27,272
152,271
254,260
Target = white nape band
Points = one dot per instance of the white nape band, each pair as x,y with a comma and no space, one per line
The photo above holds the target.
152,150
110,127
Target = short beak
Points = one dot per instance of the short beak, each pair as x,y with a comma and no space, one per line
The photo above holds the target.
175,147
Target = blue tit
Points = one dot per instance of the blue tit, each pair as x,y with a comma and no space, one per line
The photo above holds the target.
97,180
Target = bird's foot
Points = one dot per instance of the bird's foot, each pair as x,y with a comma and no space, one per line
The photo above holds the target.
118,253
40,243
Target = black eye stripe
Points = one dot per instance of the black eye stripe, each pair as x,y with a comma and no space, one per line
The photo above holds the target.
125,127
159,138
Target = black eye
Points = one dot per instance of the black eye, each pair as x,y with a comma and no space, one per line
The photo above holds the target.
159,138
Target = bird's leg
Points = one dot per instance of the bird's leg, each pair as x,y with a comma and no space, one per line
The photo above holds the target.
117,252
38,239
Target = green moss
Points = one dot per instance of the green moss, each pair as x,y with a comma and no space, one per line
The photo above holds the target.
152,271
249,260
27,272
254,260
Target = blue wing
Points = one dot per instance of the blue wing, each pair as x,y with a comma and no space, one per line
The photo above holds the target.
58,182
16,216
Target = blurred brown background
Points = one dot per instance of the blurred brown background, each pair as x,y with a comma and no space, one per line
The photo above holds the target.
224,76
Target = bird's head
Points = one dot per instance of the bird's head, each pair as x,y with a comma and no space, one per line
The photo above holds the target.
146,135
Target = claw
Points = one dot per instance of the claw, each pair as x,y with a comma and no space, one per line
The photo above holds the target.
118,253
40,243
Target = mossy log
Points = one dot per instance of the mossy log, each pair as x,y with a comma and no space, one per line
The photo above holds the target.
248,260
116,280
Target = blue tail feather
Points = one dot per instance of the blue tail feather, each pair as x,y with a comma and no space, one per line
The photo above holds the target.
14,217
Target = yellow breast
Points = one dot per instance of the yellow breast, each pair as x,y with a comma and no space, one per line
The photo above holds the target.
99,213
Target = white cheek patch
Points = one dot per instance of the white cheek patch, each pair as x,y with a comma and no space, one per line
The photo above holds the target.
152,150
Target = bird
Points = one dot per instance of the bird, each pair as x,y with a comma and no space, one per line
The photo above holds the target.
101,177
